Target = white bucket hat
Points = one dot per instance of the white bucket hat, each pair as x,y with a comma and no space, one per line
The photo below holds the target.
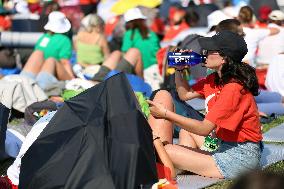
57,23
133,14
276,15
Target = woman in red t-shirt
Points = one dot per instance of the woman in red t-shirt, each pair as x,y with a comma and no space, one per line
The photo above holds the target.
231,112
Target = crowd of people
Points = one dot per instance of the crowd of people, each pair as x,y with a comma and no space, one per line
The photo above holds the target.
241,78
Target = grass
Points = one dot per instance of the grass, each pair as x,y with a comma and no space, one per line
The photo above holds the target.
274,123
277,167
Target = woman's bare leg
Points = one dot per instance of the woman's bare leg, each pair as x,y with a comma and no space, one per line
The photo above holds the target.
65,63
55,68
34,62
133,56
49,66
190,140
109,64
162,127
63,72
112,60
194,160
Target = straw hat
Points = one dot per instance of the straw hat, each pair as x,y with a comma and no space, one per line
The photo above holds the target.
133,14
57,23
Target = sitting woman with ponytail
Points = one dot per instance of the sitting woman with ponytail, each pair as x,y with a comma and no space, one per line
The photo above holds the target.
231,115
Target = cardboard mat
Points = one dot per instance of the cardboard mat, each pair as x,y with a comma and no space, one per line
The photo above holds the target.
275,134
272,153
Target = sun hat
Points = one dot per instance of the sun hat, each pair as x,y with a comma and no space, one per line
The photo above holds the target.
227,42
133,14
57,22
22,7
276,15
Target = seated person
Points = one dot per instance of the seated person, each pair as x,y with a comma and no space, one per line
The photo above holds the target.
130,62
13,172
232,113
49,61
90,43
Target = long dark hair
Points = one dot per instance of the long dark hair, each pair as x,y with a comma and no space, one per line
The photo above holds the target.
239,72
140,25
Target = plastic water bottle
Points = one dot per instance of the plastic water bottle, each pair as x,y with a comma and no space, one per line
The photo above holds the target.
184,59
77,69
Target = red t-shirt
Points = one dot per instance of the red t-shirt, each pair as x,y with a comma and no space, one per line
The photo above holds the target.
174,30
232,109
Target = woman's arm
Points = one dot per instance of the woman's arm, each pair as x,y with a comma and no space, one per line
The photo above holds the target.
202,128
75,38
184,91
273,31
105,47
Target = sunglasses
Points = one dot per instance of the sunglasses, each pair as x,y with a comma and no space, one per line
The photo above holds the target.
210,52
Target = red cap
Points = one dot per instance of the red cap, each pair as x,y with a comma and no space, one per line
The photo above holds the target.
264,12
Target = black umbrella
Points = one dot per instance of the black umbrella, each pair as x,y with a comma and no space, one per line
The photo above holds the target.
98,139
4,116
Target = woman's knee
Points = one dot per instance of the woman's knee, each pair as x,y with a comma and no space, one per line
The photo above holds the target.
163,96
132,54
50,60
49,65
115,55
36,58
38,53
170,149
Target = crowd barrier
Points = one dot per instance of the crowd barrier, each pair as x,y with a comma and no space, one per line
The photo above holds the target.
19,39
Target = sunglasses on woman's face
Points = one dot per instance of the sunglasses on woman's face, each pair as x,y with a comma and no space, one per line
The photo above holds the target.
210,52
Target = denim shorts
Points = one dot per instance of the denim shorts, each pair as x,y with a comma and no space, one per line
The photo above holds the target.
234,159
45,80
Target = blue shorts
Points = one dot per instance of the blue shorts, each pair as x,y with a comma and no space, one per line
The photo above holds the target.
45,80
234,159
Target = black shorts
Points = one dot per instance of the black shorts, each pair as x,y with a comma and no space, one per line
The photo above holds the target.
125,66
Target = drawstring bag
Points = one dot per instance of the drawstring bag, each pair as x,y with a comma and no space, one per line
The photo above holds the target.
37,110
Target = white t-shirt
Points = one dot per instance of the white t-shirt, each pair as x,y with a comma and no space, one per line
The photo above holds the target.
275,75
13,171
252,38
270,46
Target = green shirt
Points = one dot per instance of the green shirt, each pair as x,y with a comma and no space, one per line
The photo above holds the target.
89,53
147,47
57,46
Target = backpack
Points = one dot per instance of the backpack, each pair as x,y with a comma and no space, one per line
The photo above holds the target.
4,115
38,109
7,58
